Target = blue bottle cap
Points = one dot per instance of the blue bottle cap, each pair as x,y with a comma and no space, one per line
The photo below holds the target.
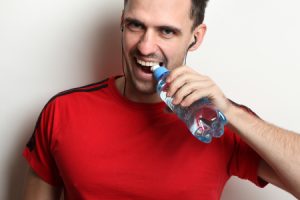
159,71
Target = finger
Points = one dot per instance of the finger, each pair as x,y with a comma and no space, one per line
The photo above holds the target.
196,95
179,82
189,88
175,73
179,71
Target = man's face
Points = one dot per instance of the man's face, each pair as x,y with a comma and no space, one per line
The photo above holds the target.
155,31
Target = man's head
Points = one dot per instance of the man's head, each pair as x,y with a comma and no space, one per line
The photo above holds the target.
158,31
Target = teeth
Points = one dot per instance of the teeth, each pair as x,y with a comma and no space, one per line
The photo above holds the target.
147,64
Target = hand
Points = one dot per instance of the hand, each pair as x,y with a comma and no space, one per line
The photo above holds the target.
187,86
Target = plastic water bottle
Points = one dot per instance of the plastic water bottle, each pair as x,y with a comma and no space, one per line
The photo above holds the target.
202,118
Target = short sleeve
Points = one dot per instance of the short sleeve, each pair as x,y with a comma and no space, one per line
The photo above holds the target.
39,150
245,161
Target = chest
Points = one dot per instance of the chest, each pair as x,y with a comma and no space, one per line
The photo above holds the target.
132,155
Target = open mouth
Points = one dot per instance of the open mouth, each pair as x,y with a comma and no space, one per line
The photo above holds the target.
146,66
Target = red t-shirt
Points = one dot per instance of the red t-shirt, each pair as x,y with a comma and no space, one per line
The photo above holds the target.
99,145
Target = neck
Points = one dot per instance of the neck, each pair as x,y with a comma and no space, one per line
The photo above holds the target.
134,95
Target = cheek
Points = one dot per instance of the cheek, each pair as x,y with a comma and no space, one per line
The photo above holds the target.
130,41
175,55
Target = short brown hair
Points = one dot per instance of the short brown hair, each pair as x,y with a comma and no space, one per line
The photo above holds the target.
197,11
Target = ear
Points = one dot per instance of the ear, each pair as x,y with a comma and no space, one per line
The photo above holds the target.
199,33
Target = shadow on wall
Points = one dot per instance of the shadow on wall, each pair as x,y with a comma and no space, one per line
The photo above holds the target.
105,61
106,55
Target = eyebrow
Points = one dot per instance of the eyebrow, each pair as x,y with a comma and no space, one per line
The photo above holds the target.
173,28
132,20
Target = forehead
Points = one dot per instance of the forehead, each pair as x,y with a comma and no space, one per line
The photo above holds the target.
160,11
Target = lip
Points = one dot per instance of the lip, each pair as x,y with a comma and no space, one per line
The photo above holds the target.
140,73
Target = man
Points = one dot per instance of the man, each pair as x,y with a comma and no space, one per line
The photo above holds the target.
114,140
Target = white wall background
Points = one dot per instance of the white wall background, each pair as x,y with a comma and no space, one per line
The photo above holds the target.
251,50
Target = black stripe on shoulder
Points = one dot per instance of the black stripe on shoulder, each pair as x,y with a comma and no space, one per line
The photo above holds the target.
244,107
87,88
94,84
78,90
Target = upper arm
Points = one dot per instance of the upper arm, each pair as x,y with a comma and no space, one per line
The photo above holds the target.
36,188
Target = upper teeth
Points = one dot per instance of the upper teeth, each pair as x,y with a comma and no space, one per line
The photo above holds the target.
147,64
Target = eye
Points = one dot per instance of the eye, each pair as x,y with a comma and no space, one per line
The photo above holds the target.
135,26
167,32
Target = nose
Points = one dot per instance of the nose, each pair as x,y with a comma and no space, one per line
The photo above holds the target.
147,44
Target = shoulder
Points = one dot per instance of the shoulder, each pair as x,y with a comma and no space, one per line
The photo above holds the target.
231,131
244,107
74,98
78,93
81,91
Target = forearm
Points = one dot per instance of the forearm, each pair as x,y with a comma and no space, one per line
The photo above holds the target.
279,148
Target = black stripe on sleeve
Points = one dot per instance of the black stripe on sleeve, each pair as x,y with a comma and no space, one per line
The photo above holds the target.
87,88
